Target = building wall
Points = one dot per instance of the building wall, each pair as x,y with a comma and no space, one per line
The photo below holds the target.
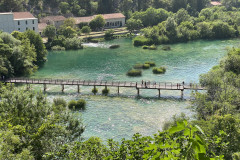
113,23
22,25
6,22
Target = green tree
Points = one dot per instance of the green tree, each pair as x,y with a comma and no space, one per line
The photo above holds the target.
86,30
50,32
109,34
67,32
97,23
133,24
37,126
64,6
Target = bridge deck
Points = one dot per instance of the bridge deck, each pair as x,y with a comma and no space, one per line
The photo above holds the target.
137,85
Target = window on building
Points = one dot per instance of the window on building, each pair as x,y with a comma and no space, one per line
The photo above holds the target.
26,22
26,28
33,21
18,22
19,29
34,28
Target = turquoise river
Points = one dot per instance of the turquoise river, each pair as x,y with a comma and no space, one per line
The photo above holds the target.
121,116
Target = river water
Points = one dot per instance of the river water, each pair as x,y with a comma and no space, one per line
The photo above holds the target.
121,116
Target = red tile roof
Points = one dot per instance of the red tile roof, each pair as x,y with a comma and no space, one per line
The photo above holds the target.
105,16
22,15
113,16
53,18
42,26
83,19
216,3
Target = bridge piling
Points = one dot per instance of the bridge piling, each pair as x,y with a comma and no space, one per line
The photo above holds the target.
62,87
118,90
182,93
138,91
159,93
44,87
78,88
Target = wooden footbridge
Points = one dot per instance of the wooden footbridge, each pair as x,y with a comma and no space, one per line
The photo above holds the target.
137,85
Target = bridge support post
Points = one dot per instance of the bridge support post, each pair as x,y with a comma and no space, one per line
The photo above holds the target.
118,90
62,87
44,87
78,88
106,87
138,91
159,93
182,93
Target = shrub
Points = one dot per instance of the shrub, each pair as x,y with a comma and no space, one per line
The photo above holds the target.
114,46
59,102
134,73
152,64
146,66
140,41
72,104
166,48
160,70
105,91
57,48
138,66
81,104
152,47
145,47
94,90
109,34
73,43
96,40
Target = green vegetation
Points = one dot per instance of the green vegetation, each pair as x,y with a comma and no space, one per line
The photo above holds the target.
134,73
94,90
166,27
58,48
96,40
146,66
31,128
108,34
160,70
21,53
60,102
152,64
86,30
80,104
97,23
105,91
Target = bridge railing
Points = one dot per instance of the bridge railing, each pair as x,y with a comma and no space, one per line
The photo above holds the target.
143,84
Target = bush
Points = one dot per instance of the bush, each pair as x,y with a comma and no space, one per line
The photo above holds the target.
59,102
96,40
152,47
72,104
140,41
138,66
94,90
134,73
146,66
152,64
114,46
109,34
73,43
160,70
145,47
105,91
166,48
81,104
57,48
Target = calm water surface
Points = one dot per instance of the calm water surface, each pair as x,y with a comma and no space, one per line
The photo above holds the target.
120,117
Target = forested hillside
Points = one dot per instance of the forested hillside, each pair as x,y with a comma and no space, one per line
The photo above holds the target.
90,7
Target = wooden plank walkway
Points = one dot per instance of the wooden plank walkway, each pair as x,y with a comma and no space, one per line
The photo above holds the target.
138,85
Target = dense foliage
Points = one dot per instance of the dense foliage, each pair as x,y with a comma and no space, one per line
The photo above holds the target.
167,27
30,127
218,109
20,53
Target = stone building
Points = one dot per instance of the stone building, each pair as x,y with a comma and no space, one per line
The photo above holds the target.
113,20
18,21
57,21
